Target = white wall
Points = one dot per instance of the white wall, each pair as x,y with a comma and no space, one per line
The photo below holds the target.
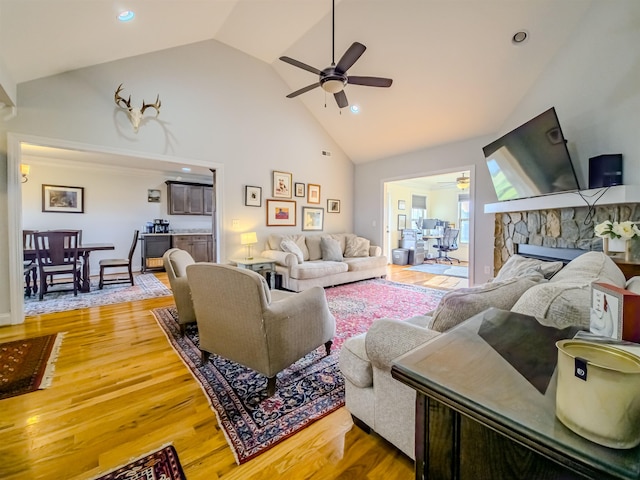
218,105
594,84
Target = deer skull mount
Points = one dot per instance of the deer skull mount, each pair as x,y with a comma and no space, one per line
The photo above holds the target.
135,113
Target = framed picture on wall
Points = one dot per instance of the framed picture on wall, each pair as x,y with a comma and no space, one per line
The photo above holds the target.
401,205
312,218
252,196
313,193
153,195
333,205
281,213
281,184
300,192
56,198
402,222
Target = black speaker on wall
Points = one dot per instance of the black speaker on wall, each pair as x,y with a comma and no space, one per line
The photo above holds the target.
605,170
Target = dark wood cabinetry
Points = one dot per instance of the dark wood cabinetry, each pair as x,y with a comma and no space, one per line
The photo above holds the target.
153,247
199,246
189,198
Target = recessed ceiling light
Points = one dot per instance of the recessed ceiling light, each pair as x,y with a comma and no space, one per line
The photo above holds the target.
520,37
355,109
186,169
126,16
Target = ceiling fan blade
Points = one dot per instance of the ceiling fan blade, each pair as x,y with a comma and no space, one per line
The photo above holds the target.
301,65
350,57
341,99
370,81
303,90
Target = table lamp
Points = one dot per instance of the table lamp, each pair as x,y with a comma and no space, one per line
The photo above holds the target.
248,239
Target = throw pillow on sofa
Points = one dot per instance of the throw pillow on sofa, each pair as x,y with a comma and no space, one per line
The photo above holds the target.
518,266
461,304
331,249
566,299
357,247
290,246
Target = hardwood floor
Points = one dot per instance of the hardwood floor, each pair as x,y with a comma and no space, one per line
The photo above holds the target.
121,391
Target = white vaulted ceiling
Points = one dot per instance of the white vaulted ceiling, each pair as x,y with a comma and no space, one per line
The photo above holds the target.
456,73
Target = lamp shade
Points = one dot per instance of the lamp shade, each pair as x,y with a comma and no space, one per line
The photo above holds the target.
25,169
248,238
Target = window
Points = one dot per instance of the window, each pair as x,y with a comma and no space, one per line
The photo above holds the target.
463,217
418,210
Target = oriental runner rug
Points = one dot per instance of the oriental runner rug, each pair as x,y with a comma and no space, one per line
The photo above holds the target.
163,464
146,286
28,365
308,390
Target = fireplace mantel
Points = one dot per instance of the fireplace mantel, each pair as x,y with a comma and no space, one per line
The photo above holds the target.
613,196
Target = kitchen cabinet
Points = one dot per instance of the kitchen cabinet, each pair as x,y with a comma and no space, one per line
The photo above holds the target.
153,247
186,198
199,246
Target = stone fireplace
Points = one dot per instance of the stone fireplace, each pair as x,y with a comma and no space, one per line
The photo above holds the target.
568,227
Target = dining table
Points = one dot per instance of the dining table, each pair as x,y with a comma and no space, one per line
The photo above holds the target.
84,251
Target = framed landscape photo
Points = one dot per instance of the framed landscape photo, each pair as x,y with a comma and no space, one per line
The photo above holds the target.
333,205
281,213
300,191
252,196
281,184
312,218
56,198
313,193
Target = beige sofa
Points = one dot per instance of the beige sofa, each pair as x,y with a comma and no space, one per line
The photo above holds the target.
324,260
385,405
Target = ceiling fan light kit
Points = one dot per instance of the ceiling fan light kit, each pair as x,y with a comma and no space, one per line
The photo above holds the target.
334,79
463,182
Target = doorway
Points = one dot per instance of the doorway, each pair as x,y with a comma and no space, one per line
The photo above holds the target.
19,146
446,196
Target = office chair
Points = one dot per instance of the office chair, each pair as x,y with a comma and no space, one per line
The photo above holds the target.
448,243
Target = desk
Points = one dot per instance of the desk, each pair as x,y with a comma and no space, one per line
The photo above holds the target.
426,238
259,265
83,251
477,417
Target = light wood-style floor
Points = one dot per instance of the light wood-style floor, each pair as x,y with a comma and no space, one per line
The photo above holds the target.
121,391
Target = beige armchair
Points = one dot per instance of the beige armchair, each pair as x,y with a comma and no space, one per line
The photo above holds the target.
175,263
240,319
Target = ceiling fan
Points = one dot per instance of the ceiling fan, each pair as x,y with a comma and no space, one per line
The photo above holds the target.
334,78
461,182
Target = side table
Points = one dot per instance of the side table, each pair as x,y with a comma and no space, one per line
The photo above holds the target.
264,266
481,412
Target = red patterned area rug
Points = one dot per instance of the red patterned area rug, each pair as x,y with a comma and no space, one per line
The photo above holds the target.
163,464
308,390
28,365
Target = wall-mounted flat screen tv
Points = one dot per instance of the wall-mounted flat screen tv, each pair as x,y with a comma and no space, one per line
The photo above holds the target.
531,160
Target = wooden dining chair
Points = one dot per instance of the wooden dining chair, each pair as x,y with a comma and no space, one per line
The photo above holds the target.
119,263
57,254
30,267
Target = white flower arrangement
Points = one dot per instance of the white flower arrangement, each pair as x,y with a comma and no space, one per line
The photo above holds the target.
623,230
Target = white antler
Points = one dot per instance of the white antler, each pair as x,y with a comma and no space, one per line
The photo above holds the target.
135,113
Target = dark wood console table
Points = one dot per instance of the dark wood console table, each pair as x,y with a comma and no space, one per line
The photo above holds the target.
478,417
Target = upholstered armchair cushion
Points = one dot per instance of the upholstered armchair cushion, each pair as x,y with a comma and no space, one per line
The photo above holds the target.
175,263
